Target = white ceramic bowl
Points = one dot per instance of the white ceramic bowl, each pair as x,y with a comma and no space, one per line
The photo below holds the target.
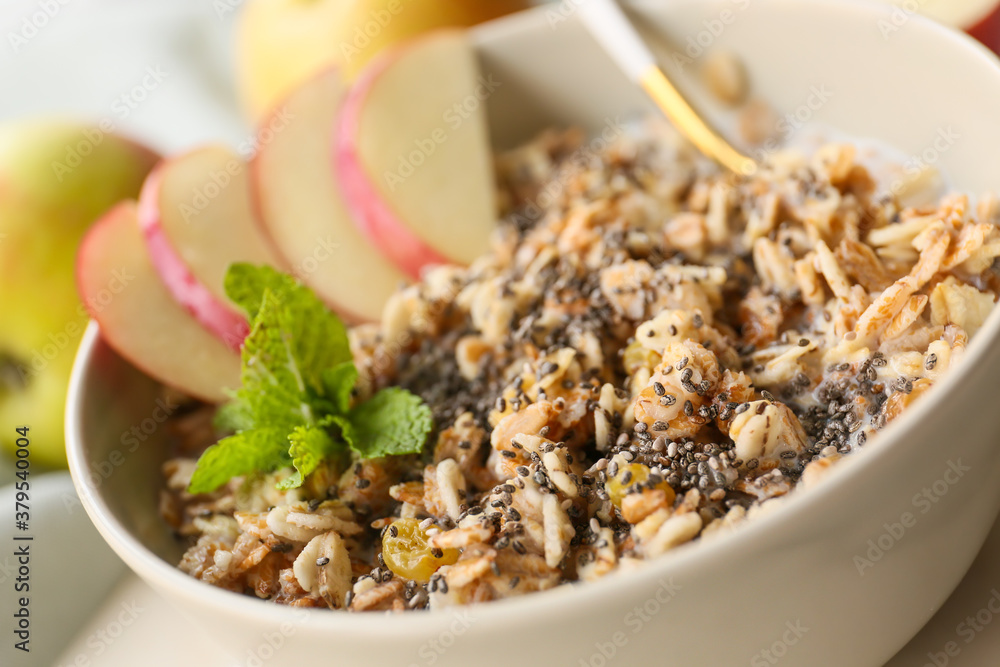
786,587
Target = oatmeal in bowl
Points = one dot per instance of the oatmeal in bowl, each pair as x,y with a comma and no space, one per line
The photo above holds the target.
664,402
656,354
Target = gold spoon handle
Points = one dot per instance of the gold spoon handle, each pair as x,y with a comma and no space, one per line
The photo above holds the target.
612,29
691,125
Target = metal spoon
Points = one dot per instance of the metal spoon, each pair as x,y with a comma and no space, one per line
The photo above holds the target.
613,30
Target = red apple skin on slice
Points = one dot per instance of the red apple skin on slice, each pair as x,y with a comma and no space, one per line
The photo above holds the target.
987,30
139,318
413,156
214,314
300,208
197,219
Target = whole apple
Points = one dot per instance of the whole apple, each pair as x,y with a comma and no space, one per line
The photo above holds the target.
56,178
283,43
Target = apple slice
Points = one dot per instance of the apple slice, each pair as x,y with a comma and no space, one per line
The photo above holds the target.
979,18
197,218
139,317
413,153
298,202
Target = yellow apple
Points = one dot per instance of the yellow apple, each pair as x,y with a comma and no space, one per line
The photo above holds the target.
280,43
283,43
373,25
55,180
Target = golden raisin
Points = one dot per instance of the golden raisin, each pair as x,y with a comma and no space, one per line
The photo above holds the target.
407,554
637,474
636,356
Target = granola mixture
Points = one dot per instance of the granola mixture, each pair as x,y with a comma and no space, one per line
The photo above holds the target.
654,352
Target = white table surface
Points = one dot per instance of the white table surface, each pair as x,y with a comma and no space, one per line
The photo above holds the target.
153,634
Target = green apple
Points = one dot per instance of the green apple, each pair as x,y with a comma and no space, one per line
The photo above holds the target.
56,178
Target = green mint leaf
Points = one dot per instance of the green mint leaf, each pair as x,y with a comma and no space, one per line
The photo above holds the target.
259,450
317,338
245,285
274,388
338,383
346,430
233,417
297,377
391,423
310,446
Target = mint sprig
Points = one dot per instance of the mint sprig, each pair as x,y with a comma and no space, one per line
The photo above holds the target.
294,403
387,424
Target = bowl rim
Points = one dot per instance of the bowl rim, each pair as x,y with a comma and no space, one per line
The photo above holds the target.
164,575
